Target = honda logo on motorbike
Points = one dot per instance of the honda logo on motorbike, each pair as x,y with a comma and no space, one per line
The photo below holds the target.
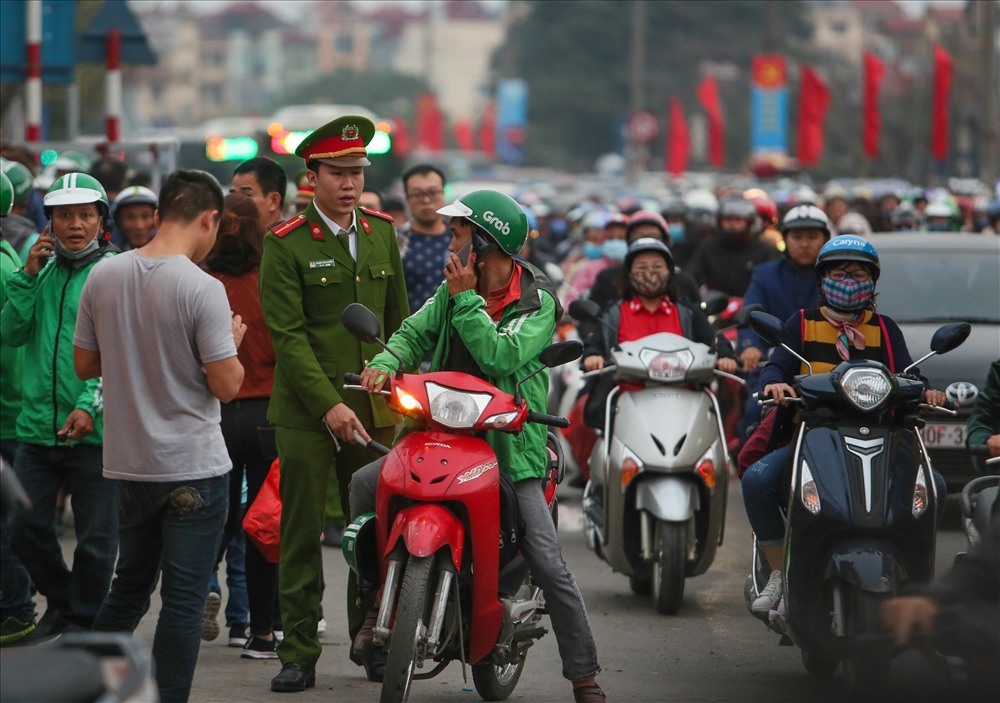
961,392
476,472
498,224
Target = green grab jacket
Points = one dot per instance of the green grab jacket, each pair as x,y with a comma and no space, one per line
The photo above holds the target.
985,419
40,315
10,357
506,352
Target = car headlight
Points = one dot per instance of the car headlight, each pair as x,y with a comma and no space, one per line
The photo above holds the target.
666,366
456,409
866,388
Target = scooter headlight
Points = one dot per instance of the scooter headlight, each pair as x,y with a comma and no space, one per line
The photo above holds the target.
866,388
810,492
666,366
919,493
457,409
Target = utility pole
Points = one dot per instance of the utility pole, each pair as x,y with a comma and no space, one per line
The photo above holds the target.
989,56
635,152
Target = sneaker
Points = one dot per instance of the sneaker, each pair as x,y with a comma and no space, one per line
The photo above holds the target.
210,620
321,626
769,597
257,648
778,612
14,630
237,636
279,635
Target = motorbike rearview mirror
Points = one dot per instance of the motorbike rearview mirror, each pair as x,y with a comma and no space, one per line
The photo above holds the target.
742,317
552,356
585,310
713,302
946,338
772,331
362,323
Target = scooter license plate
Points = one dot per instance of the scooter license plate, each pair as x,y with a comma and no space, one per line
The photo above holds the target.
951,435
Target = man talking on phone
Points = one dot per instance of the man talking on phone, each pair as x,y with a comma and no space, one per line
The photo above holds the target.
491,318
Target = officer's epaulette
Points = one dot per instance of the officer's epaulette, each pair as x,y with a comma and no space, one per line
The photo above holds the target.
376,213
288,226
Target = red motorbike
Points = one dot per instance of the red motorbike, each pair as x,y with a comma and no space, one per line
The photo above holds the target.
454,585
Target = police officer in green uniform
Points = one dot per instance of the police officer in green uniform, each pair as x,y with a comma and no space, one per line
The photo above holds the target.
314,265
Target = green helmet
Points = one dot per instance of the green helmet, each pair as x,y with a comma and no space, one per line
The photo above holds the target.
76,189
359,545
20,177
494,213
6,195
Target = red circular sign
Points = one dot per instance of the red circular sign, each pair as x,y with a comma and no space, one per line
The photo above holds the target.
643,127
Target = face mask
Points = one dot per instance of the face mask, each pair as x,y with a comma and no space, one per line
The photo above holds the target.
65,253
676,230
648,284
592,251
848,295
938,227
615,249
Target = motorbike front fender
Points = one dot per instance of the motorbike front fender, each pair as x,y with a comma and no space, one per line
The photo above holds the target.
668,498
426,528
876,567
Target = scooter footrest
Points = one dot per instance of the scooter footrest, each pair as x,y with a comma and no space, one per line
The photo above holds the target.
530,633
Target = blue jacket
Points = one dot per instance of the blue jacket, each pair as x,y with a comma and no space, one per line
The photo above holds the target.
783,289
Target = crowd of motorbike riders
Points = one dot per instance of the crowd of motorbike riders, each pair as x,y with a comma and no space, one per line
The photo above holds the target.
648,265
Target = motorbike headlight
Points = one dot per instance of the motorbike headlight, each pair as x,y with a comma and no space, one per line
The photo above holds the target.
631,467
809,493
666,366
456,409
866,388
919,493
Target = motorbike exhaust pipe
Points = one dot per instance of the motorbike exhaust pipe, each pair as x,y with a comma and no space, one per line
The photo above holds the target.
382,632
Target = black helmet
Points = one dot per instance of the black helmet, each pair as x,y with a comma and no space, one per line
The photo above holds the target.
648,244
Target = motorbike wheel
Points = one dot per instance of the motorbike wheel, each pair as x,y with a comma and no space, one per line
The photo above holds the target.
668,572
494,682
640,585
820,667
866,667
412,611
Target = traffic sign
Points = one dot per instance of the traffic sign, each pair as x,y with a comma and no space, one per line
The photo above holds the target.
642,127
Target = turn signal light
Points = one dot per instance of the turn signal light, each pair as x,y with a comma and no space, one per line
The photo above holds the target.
919,494
629,471
706,469
406,401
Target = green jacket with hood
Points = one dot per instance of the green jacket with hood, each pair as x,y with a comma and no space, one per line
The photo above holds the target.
40,315
506,352
10,357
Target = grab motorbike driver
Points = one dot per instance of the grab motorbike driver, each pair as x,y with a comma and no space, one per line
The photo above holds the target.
844,327
492,317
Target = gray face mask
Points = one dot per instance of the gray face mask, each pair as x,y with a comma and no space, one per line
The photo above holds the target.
92,246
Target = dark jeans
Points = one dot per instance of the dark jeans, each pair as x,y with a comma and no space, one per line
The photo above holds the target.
252,449
15,584
172,527
237,606
78,593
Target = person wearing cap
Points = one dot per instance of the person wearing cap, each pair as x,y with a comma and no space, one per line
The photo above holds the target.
60,426
264,181
491,317
314,265
132,212
18,230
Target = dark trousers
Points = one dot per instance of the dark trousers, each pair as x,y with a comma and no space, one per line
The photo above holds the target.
15,584
172,530
77,592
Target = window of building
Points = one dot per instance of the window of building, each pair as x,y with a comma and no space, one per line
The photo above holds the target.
343,43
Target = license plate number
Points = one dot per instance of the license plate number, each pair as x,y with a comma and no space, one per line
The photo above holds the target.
944,436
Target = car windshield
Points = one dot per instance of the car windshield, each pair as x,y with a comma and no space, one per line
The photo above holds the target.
935,286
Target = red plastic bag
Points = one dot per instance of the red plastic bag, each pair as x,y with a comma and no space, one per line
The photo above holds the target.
263,519
756,445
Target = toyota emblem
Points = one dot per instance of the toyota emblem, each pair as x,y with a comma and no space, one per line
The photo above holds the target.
961,392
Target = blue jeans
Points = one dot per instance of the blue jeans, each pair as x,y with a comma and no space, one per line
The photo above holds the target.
15,584
78,593
175,528
237,605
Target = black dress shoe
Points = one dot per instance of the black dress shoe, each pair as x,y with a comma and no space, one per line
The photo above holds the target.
294,678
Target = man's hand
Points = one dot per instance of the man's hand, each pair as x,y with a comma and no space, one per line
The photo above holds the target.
726,365
78,425
239,329
936,398
374,380
750,358
993,444
908,616
593,362
460,278
39,253
343,423
780,392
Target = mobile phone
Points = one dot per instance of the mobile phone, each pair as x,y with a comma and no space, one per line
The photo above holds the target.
463,253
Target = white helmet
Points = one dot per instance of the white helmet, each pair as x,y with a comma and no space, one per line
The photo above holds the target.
701,199
806,217
133,195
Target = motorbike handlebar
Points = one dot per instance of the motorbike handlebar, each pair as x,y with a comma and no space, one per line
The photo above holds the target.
550,420
941,408
352,382
352,379
765,400
983,451
598,372
373,445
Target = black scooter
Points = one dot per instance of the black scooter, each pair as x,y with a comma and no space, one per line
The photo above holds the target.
861,514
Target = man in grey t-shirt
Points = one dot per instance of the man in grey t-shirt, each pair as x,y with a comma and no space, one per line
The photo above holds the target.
160,332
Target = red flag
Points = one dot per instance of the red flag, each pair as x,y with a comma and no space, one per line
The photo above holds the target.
814,99
874,72
463,135
488,130
430,123
708,96
678,143
942,89
400,137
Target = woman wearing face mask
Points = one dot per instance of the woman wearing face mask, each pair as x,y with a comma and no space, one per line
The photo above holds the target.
610,252
649,305
844,327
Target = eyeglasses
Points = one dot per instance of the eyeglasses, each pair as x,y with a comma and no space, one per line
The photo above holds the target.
422,195
839,275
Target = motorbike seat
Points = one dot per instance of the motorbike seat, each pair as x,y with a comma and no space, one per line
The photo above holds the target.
79,679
